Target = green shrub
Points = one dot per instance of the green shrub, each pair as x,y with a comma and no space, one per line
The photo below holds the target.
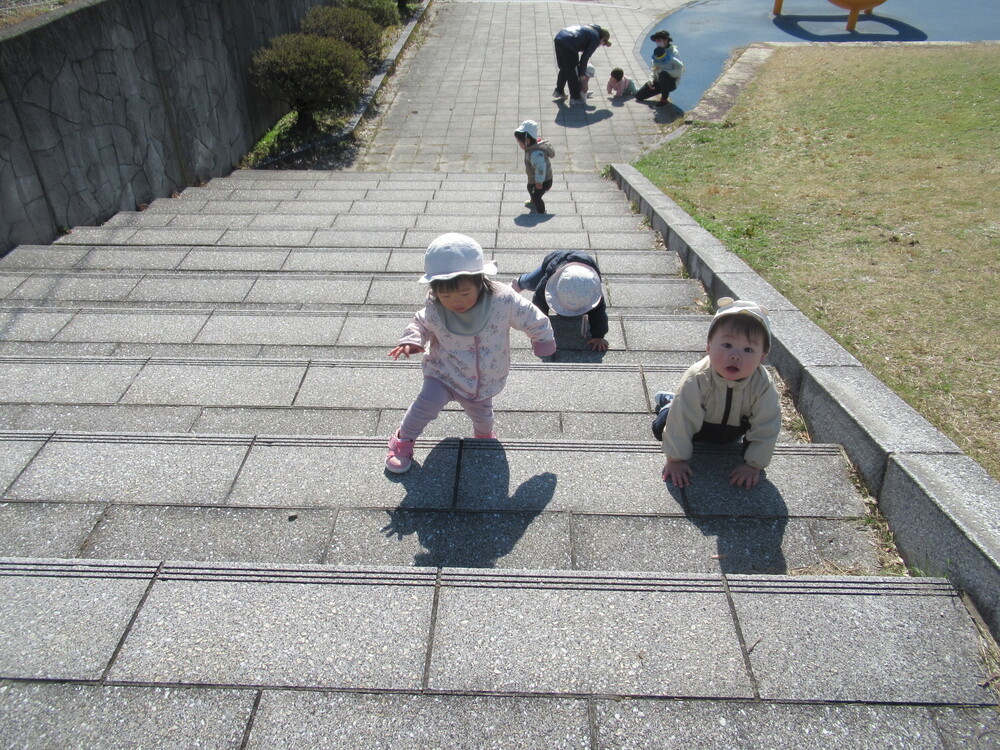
383,12
348,25
310,73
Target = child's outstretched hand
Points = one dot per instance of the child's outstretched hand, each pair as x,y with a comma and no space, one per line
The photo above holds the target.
678,472
744,475
597,345
406,350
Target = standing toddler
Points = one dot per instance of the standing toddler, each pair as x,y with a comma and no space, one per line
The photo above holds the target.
464,332
537,163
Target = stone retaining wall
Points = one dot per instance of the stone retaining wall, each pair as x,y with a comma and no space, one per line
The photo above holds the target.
108,104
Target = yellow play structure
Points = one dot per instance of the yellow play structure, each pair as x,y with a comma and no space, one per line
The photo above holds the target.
854,6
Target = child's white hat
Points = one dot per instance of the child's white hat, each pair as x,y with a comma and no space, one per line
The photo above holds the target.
574,289
728,306
452,255
530,127
591,71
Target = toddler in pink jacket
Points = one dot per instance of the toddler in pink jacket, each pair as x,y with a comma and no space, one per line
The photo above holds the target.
463,331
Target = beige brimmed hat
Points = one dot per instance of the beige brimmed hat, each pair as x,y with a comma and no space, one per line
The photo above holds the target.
728,306
452,255
574,289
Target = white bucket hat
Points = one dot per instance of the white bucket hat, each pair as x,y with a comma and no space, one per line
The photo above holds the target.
452,255
728,306
574,289
530,127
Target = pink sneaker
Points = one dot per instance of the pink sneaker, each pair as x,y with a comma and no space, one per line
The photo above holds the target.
400,456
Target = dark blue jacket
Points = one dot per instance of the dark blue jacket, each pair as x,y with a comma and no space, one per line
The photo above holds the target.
536,280
582,39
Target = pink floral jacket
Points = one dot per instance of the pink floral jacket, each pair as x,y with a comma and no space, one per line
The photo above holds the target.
476,367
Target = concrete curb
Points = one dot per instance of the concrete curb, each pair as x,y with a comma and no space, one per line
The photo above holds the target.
940,504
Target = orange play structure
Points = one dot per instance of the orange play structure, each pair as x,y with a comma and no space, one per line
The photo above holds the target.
854,6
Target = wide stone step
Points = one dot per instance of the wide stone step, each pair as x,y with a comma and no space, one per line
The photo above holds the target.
534,234
462,632
27,262
467,503
310,289
284,718
132,331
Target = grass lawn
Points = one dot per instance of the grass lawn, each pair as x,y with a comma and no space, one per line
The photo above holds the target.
864,184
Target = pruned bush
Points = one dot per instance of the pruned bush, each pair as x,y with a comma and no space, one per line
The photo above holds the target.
348,25
383,12
310,73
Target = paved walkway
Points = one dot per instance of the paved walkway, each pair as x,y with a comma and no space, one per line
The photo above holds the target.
203,549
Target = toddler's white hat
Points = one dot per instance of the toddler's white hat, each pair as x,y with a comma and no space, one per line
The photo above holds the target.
591,71
729,306
574,289
530,127
452,255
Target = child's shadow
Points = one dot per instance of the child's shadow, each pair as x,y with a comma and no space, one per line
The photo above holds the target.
749,524
571,340
492,526
532,219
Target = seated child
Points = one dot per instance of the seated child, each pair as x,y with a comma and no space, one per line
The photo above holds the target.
585,81
569,282
620,85
724,396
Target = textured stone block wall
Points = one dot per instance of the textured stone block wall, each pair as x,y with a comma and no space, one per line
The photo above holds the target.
108,104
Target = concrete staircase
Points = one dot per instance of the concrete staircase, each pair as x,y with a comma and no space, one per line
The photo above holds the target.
201,547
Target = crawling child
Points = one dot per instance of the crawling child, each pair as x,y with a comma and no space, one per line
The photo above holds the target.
724,396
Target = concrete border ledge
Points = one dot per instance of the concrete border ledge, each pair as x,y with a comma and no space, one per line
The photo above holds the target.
940,504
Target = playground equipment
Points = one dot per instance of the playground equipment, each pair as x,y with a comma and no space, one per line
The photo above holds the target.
853,6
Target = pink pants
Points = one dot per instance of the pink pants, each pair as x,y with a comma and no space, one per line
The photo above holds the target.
433,397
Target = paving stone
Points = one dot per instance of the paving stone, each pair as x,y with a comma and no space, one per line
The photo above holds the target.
564,478
57,350
787,486
829,639
134,326
269,329
68,383
130,472
61,627
59,288
9,282
107,717
42,256
413,536
370,635
258,535
115,258
681,335
544,388
212,289
645,724
291,719
342,261
696,545
32,325
244,421
235,259
262,238
46,529
374,386
189,351
215,385
567,634
15,455
387,291
345,474
453,422
306,290
672,295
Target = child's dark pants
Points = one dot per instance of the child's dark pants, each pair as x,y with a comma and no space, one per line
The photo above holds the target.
536,195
